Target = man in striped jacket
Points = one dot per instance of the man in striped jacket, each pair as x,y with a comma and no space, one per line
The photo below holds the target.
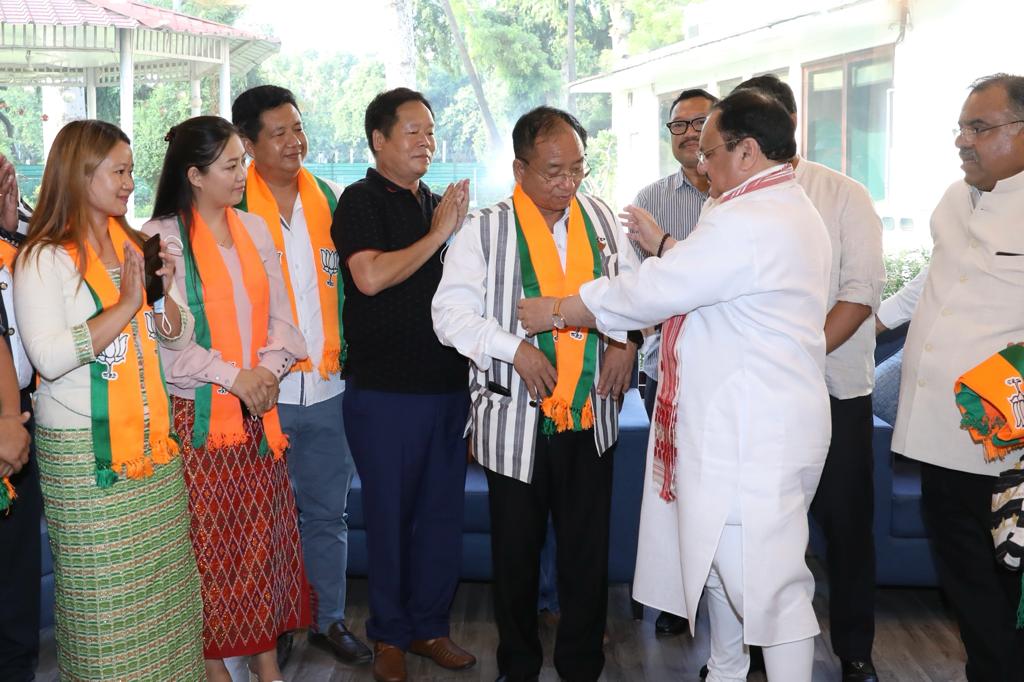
544,415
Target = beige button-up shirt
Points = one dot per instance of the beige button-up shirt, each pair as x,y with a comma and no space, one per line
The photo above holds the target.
969,305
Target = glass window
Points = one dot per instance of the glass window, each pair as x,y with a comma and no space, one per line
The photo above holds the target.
847,106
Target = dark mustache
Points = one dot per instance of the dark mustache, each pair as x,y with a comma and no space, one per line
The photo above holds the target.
968,155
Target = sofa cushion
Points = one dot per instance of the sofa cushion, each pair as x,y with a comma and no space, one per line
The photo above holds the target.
886,395
907,520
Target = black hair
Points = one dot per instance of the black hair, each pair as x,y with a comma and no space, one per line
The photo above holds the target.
250,105
1013,85
751,113
197,142
382,112
691,94
772,86
540,121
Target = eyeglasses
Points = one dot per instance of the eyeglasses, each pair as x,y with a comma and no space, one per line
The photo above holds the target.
969,133
680,127
703,156
573,176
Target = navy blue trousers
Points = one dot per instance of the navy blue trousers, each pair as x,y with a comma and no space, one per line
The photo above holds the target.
19,588
410,453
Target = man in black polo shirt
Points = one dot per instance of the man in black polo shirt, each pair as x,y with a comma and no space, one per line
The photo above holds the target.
406,401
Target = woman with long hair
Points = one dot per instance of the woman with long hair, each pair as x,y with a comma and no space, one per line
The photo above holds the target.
127,588
224,388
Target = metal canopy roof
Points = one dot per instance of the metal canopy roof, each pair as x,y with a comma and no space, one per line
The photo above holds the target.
52,42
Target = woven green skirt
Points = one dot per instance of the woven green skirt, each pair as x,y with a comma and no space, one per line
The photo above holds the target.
128,605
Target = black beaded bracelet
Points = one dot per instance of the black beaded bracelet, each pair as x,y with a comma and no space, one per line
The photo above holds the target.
661,246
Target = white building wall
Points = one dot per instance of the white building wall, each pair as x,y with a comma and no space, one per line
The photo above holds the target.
947,45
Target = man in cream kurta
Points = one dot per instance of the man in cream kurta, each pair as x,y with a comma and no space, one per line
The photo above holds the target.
752,411
966,306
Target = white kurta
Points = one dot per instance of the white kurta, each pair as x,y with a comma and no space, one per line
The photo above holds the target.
753,425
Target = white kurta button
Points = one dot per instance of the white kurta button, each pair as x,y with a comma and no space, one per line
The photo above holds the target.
946,312
974,243
928,347
921,382
963,278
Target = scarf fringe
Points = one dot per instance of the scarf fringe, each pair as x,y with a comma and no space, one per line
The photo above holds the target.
105,477
224,439
330,363
164,449
278,445
7,494
562,416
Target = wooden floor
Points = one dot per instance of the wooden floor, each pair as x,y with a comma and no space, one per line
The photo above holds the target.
915,641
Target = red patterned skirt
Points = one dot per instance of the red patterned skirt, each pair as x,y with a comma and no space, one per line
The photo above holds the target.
245,535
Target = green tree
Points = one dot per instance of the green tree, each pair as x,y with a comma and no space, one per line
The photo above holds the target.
21,126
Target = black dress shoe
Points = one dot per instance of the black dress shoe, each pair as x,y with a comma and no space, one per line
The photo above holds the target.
859,671
345,646
670,624
506,678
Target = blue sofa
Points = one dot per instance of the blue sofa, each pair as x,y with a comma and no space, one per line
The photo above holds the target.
902,553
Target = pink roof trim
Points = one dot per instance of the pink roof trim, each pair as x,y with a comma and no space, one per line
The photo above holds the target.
114,13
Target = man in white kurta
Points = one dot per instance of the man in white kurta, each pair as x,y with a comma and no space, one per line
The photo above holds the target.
752,425
966,306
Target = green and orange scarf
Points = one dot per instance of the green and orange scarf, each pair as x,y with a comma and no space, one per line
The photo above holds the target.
991,402
7,254
211,298
125,439
573,350
318,204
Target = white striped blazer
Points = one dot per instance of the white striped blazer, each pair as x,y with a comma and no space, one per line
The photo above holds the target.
474,310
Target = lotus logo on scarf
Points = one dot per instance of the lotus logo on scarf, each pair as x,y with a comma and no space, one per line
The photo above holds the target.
1017,401
114,354
329,261
150,324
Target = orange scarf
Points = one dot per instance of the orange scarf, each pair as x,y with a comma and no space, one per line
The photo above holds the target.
119,400
317,205
211,297
573,351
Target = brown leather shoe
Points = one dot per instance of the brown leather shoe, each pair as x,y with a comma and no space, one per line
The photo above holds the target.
388,663
444,652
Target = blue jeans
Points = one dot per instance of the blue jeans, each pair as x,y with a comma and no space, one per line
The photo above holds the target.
320,467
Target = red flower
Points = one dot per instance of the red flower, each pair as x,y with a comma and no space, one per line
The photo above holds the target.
45,117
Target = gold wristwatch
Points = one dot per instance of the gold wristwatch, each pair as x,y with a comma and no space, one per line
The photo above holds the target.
557,319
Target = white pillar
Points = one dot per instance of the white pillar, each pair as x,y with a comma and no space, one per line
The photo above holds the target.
225,78
126,37
90,92
195,101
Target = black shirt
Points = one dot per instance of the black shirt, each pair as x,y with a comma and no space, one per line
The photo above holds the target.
391,341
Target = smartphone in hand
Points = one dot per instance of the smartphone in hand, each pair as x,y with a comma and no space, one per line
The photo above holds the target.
153,262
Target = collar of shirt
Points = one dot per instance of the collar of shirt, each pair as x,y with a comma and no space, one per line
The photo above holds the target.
374,175
679,182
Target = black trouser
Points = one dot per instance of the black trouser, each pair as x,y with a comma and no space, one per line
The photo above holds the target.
844,508
984,596
574,484
650,395
19,586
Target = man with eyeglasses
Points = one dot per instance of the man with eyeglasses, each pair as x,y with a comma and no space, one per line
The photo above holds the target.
544,415
844,503
967,305
675,202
